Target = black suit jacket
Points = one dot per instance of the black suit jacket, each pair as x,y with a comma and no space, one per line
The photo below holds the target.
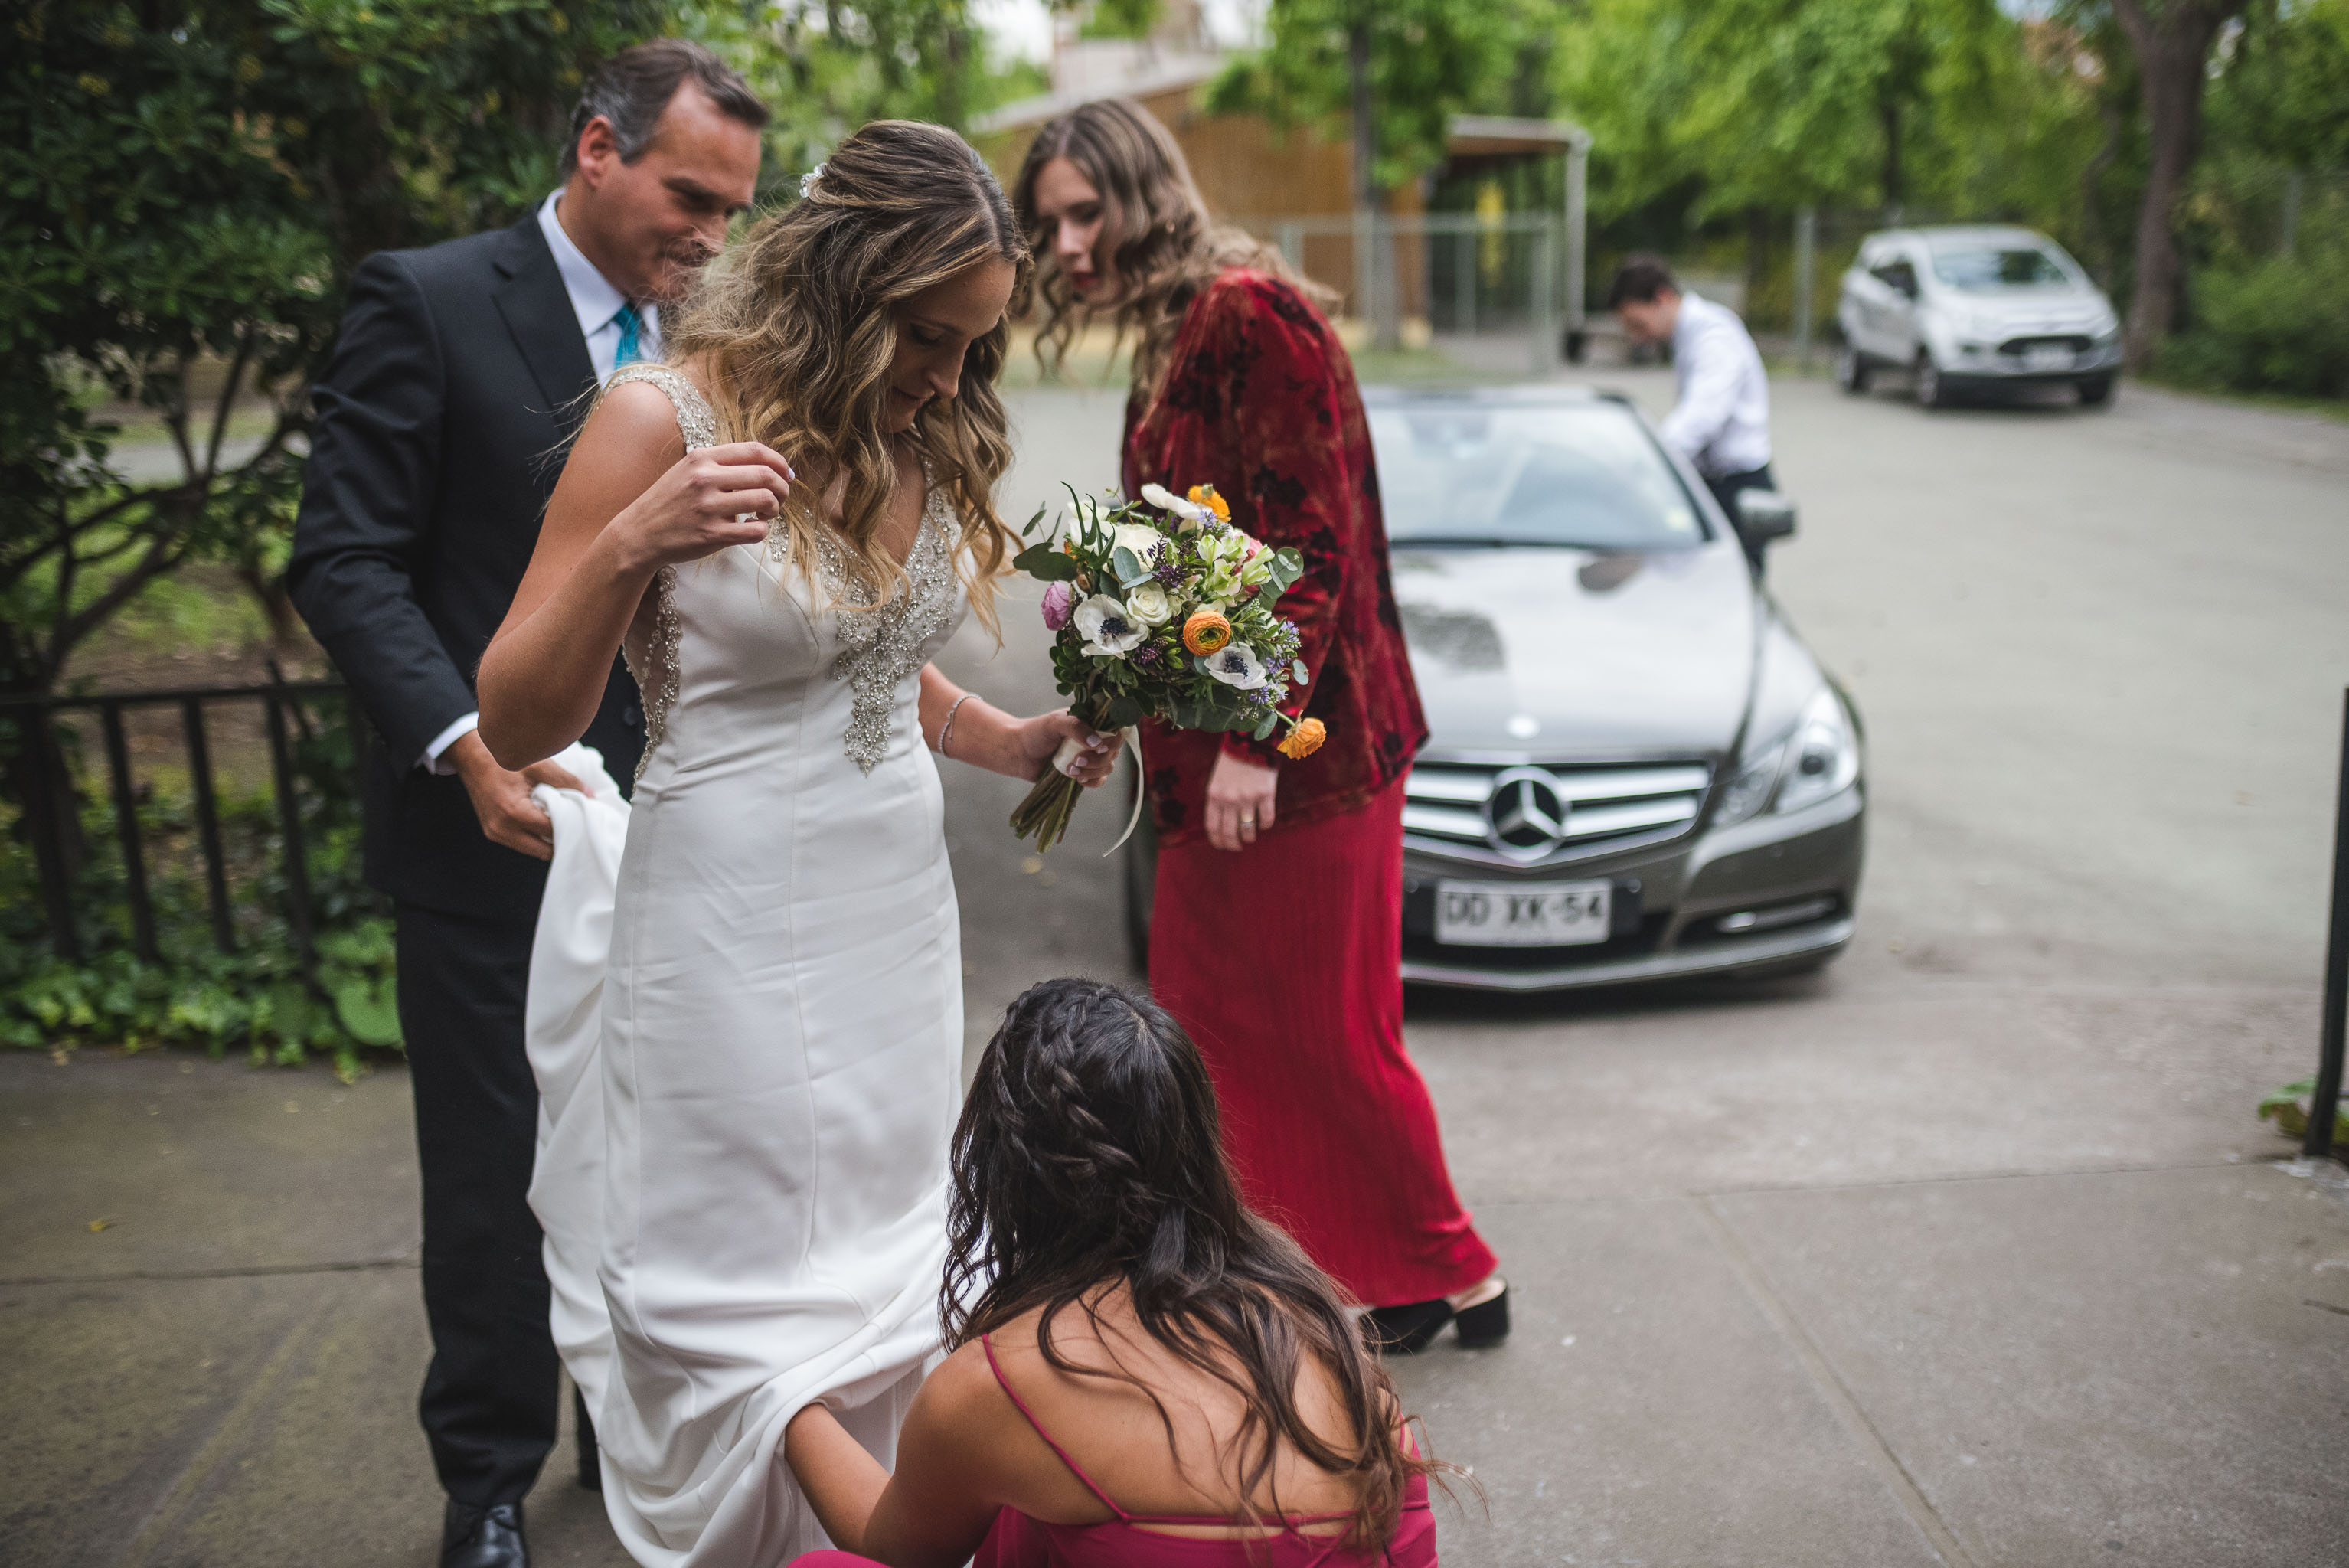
442,421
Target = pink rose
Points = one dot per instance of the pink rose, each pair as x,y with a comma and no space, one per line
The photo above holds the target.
1059,604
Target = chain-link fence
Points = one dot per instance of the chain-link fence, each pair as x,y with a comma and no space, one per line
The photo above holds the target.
1512,280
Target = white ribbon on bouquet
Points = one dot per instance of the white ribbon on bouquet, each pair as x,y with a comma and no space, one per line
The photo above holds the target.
1064,761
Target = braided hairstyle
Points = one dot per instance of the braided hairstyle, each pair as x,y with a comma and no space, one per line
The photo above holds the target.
1088,1157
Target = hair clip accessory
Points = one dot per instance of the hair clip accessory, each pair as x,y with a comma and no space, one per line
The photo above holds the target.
807,181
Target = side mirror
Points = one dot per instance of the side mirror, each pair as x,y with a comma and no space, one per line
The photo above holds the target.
1764,517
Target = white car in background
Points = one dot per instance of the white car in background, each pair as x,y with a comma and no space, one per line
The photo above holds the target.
1972,307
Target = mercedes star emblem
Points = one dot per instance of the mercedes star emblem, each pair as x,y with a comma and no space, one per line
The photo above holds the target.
1524,817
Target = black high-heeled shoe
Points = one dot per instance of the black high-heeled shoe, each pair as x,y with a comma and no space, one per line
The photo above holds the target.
1410,1329
1405,1330
1485,1324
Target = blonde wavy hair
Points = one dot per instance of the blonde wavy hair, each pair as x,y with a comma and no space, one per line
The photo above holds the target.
796,327
1158,240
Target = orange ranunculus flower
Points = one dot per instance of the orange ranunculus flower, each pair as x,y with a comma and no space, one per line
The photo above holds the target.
1205,495
1304,741
1205,633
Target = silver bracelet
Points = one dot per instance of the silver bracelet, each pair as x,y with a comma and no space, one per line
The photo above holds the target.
947,727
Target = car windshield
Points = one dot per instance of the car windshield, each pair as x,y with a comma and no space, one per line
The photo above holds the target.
1982,269
1589,476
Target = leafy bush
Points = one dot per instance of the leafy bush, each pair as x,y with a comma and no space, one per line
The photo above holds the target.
256,999
2276,325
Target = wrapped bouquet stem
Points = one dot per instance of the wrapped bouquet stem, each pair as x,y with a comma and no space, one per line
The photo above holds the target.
1161,609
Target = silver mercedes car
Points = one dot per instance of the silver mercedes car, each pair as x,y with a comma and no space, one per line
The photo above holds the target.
1635,771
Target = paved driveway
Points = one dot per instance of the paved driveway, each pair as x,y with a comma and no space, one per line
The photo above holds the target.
1969,1251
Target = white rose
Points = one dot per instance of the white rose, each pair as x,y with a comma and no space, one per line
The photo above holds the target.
1110,631
1150,604
1138,537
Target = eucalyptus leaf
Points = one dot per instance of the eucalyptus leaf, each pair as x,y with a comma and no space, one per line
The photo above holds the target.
1047,563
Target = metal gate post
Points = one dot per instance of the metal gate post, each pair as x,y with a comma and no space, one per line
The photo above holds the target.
1577,235
1806,247
44,768
1545,301
2325,1105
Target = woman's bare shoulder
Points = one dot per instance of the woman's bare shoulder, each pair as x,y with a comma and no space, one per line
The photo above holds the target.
636,415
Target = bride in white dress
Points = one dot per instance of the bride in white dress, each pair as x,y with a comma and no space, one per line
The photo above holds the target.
744,1180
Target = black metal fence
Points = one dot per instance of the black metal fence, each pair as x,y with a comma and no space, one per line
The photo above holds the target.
50,809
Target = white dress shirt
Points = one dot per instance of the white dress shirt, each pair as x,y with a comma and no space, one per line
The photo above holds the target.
599,306
1722,422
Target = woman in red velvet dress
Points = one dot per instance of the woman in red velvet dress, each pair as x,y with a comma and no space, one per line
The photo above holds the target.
1276,933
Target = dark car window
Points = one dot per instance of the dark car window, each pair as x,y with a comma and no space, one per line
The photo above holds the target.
1586,476
1983,268
1899,275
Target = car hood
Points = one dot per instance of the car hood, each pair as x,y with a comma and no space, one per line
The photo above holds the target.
2031,310
1573,653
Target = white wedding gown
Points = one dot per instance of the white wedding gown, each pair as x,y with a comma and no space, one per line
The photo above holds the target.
746,1105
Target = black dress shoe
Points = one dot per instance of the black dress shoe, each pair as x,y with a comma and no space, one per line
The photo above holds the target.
482,1537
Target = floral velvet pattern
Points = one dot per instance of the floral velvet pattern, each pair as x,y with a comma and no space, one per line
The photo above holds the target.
1259,401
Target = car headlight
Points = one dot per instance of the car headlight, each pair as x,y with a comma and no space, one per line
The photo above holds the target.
1822,759
1819,760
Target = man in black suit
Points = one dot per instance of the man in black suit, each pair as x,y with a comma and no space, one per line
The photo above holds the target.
461,375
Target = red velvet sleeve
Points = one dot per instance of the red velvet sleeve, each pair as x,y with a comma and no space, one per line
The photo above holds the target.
1282,421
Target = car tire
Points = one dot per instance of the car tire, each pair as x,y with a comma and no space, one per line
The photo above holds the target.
2096,391
1933,390
1851,370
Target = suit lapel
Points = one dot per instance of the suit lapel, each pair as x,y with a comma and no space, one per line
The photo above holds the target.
537,310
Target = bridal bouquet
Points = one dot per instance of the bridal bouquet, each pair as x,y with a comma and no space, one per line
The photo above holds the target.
1161,609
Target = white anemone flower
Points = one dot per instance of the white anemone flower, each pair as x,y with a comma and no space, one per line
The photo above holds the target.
1193,514
1110,631
1235,665
1150,604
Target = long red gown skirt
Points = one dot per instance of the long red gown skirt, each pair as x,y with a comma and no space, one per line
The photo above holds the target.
1282,961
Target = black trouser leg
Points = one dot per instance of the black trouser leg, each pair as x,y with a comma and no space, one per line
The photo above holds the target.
1724,490
590,1463
491,1396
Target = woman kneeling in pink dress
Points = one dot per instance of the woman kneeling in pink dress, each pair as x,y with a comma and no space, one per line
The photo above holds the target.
1149,1374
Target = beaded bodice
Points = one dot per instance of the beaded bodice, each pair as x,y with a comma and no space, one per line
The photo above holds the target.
880,641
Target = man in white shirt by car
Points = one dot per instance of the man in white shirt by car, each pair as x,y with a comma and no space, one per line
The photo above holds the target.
1722,420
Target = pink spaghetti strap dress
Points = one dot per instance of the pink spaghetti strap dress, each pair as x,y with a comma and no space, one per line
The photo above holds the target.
1019,1542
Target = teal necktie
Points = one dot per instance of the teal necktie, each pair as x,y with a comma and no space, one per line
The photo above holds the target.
632,327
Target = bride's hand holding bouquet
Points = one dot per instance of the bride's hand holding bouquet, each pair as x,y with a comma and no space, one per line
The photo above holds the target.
1161,609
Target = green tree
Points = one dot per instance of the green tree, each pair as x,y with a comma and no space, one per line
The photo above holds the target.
1394,71
188,187
2284,94
1772,104
2170,41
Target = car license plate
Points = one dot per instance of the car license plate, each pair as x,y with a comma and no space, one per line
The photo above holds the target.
2047,357
1522,915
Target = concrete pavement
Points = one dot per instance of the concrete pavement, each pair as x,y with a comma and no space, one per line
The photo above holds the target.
1968,1251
